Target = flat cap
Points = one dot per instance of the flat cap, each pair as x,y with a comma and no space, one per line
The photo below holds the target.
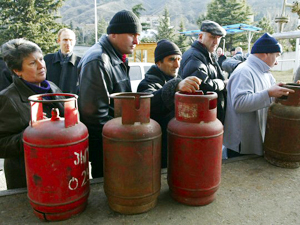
213,28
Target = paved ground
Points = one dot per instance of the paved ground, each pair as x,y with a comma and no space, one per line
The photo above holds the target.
252,192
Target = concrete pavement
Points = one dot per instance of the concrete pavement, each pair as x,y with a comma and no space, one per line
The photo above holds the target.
252,192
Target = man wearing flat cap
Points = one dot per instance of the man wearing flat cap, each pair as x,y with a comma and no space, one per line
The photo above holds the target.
251,89
201,62
162,81
102,71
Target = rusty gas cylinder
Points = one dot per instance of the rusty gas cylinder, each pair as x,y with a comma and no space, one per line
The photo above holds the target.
132,155
282,145
195,138
56,160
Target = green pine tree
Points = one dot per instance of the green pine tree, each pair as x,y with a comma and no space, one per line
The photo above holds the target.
30,19
165,31
136,9
265,25
181,40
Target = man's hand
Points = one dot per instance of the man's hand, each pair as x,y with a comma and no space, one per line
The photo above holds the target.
298,82
189,84
226,82
277,91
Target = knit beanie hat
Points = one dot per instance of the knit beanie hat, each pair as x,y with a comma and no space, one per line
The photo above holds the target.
165,48
124,22
266,44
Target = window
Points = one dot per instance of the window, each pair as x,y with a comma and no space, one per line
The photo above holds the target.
135,73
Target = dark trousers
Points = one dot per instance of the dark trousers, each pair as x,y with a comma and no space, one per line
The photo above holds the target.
96,157
14,169
231,153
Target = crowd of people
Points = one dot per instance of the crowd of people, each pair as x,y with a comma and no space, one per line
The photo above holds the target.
243,100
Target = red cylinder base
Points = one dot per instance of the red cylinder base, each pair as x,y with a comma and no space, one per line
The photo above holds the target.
58,212
194,199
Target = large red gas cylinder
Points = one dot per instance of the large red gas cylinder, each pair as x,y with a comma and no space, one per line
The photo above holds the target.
132,155
56,160
282,142
195,138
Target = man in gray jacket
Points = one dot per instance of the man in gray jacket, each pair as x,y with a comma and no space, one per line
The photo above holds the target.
251,89
104,70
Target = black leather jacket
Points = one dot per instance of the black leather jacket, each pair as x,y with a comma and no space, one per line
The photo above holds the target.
163,89
102,72
5,75
197,61
14,119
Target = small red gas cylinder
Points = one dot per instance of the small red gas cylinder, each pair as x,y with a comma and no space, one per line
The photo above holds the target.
132,155
56,160
195,138
282,142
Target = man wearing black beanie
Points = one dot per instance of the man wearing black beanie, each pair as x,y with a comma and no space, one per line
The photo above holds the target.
162,81
251,90
102,71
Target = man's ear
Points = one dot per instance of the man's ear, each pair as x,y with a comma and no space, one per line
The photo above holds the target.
200,37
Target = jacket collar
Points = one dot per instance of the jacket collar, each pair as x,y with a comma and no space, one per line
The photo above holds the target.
200,47
116,57
155,71
23,89
260,65
57,57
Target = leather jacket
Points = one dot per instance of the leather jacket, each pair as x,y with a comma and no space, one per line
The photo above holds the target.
102,72
5,75
14,119
197,61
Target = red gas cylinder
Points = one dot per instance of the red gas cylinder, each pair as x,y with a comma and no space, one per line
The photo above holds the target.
195,138
282,142
56,160
132,155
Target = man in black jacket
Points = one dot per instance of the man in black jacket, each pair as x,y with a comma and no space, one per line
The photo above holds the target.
162,81
5,75
200,61
62,65
104,70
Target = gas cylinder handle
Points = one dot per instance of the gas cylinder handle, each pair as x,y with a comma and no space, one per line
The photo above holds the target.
195,107
70,107
132,107
130,95
293,99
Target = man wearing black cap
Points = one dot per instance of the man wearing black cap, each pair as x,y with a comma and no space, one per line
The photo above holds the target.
251,89
104,70
200,61
162,81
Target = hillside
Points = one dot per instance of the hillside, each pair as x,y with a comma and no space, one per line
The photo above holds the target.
82,11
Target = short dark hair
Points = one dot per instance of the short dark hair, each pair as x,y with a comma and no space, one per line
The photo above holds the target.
15,50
